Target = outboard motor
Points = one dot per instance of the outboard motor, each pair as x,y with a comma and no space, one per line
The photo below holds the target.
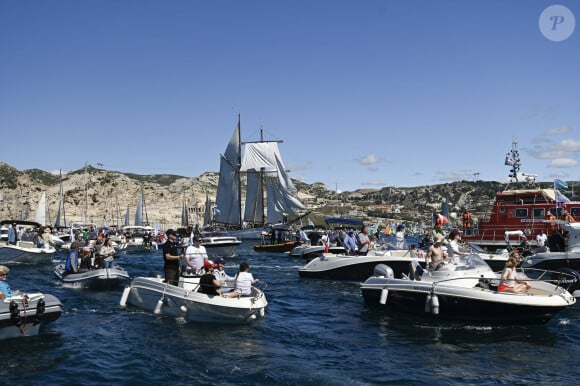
40,308
15,314
383,270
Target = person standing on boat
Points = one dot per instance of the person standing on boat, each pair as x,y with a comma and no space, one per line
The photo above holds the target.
171,258
47,238
400,237
5,290
364,243
350,242
12,234
509,277
453,249
436,256
72,260
195,256
466,219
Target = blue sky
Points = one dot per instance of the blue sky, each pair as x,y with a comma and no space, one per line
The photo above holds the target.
364,94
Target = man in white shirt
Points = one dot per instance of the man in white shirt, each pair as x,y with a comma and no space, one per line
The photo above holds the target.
195,257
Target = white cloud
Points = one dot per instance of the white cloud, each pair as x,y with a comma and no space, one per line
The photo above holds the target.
570,145
559,130
374,183
455,175
370,159
562,163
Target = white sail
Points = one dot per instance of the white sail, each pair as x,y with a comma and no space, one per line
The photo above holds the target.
139,211
253,210
60,211
227,205
41,210
266,179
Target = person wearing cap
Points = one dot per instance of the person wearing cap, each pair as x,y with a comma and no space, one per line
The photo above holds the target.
350,242
171,258
195,257
436,256
5,290
219,272
208,284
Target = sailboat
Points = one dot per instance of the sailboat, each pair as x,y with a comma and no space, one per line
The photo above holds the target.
138,237
40,217
269,190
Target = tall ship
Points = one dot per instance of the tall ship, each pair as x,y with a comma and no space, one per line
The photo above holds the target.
520,214
256,169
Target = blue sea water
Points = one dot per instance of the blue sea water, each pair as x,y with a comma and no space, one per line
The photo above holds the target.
315,332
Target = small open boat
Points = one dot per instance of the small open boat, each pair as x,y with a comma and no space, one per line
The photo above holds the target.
183,300
101,278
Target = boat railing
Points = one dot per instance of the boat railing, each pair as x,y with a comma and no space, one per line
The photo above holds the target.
559,278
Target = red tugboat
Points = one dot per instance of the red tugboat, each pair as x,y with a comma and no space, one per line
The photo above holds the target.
519,215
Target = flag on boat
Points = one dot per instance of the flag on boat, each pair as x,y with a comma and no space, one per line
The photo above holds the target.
388,229
509,161
327,243
560,184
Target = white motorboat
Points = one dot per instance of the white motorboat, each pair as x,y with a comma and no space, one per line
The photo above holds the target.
100,278
357,267
26,314
312,251
135,239
570,258
183,300
26,250
465,291
219,245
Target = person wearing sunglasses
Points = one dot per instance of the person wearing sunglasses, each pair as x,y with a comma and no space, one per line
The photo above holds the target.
4,286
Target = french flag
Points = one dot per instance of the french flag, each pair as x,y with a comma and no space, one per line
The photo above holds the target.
327,243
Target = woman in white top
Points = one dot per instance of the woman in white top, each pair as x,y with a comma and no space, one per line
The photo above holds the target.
243,282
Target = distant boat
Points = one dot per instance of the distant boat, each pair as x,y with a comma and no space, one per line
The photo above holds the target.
138,237
270,194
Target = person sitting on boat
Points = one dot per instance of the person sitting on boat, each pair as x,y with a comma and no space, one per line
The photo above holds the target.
105,255
509,277
219,272
208,284
195,257
350,242
363,241
453,248
243,282
436,256
5,291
